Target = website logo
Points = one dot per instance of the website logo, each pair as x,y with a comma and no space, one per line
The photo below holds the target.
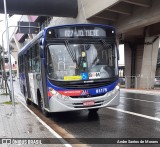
6,141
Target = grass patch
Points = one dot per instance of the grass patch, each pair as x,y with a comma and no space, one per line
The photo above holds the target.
4,94
9,103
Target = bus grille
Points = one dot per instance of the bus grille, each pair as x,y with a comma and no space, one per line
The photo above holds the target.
83,84
88,96
101,102
86,85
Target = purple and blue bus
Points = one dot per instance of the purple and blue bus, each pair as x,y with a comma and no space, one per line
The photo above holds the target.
71,67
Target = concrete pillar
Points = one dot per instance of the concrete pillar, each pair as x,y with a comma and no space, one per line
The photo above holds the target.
149,62
127,52
138,63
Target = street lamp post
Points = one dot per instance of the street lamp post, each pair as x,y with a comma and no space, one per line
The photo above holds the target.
9,55
4,52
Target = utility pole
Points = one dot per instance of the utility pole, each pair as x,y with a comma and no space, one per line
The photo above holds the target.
9,55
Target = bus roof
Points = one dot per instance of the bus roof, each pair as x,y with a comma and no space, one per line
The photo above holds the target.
87,24
42,33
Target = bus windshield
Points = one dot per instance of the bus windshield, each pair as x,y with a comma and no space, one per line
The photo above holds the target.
69,62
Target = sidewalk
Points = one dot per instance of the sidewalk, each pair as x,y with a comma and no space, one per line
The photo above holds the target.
142,91
18,122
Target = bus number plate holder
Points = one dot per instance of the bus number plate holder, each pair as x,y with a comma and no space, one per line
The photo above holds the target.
88,103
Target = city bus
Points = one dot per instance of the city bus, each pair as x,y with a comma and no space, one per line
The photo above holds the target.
70,67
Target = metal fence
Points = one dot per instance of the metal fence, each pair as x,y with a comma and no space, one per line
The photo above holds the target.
139,82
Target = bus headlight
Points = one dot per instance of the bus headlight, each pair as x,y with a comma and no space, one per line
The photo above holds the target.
114,91
109,94
53,93
117,87
62,97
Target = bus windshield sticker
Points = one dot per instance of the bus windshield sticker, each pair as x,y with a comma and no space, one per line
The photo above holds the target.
94,75
84,76
83,54
71,78
84,64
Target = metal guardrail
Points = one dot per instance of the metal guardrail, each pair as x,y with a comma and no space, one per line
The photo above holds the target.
157,82
134,81
2,91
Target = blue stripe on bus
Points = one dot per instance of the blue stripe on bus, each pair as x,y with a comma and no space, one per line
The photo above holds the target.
92,91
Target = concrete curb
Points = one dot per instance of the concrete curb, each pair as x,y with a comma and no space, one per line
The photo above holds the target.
149,92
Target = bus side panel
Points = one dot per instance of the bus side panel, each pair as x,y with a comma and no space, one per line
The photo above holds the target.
21,82
33,87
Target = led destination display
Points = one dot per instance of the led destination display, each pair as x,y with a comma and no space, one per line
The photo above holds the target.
80,32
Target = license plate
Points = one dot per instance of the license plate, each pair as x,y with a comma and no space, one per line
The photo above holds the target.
88,103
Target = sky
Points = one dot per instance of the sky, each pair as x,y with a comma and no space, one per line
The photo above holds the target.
121,52
12,21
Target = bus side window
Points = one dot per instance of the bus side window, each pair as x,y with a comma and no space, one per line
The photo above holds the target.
33,58
49,63
23,63
37,58
29,61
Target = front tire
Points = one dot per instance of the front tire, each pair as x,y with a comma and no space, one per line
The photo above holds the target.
46,113
28,102
93,110
40,105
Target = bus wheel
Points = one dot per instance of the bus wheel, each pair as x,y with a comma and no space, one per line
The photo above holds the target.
40,106
46,113
93,110
28,102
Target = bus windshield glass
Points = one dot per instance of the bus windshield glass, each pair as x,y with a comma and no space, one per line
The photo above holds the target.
74,62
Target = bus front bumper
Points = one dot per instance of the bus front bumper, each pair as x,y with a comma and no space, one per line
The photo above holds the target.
111,98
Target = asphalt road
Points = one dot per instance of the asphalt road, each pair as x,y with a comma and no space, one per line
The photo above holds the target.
137,116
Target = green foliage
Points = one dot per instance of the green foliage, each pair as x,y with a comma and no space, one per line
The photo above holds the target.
4,94
9,103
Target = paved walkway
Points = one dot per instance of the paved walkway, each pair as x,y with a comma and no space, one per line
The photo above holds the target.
18,122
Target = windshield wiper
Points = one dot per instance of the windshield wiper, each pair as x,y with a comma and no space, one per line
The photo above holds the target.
107,46
70,51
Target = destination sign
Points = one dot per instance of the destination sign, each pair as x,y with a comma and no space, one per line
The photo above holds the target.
80,32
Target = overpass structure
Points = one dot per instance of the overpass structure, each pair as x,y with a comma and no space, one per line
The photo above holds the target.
137,23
